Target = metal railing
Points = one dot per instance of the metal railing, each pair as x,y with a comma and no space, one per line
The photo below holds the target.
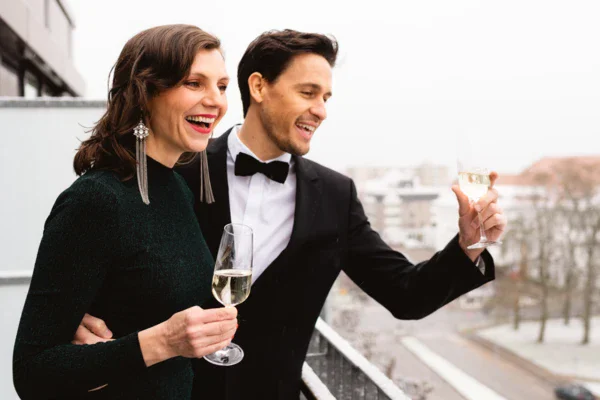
335,370
15,277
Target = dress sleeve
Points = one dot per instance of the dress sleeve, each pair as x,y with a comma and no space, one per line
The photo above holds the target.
79,243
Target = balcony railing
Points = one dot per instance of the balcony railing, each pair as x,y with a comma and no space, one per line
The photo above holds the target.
335,370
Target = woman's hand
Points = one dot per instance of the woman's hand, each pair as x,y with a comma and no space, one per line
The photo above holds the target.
191,333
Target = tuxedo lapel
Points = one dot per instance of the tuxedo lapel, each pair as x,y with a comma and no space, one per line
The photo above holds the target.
308,200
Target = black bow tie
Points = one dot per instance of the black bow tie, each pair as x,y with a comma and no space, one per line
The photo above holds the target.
246,165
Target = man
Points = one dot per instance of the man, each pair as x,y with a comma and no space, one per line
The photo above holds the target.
308,224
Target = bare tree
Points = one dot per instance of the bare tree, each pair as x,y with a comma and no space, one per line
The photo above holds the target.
570,215
517,241
544,219
572,190
564,221
579,195
592,244
570,267
522,276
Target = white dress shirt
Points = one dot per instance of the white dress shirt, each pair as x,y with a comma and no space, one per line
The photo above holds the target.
265,205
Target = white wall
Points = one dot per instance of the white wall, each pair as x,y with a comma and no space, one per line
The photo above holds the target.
37,146
12,298
38,139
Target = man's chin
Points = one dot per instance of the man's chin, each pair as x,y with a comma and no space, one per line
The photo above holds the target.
300,151
294,148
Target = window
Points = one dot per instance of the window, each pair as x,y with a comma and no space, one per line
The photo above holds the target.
9,82
31,86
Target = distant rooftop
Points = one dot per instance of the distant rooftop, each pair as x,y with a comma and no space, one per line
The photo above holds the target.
552,167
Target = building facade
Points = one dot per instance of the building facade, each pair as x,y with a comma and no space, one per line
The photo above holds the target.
399,205
36,49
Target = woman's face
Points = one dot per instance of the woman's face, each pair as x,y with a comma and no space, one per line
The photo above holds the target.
183,117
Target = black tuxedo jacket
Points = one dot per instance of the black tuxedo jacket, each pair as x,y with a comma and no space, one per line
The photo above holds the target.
331,233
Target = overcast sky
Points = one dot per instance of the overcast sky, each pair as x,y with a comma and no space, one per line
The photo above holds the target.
523,75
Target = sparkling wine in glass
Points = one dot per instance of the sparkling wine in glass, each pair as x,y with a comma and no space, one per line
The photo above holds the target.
231,286
232,280
474,181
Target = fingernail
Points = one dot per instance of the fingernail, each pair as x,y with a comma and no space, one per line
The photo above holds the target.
108,333
477,207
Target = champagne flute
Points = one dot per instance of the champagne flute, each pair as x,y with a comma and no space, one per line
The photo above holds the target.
232,280
474,181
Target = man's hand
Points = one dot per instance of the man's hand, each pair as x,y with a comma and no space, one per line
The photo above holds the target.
494,220
91,330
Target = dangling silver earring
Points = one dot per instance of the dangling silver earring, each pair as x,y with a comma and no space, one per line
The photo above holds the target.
206,193
141,132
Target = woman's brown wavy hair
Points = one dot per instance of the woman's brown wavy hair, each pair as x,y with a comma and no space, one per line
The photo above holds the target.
152,61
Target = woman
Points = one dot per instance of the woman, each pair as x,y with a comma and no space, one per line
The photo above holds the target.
122,242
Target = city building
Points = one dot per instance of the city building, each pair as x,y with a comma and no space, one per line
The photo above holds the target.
400,201
36,49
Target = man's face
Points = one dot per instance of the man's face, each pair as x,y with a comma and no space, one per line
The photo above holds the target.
293,106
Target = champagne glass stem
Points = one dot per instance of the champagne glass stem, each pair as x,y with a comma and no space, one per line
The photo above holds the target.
483,237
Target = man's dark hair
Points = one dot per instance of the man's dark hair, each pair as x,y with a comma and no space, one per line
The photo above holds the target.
271,53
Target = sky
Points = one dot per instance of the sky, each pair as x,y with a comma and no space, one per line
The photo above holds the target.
521,77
